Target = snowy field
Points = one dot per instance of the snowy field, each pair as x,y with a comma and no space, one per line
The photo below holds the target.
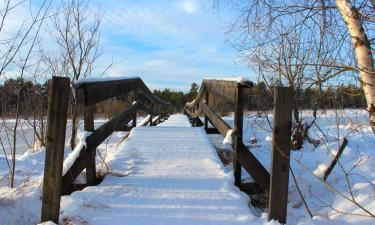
348,196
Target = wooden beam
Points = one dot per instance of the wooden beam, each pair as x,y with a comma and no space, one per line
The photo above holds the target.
92,142
238,130
212,130
245,157
90,162
342,146
206,98
282,123
97,91
226,89
216,120
252,165
56,128
251,188
103,90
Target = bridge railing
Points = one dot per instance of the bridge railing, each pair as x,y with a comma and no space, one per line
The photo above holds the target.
230,91
275,184
90,91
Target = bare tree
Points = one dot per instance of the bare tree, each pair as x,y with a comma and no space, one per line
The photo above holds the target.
327,29
77,37
16,53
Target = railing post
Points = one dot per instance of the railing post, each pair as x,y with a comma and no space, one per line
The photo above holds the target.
238,127
89,126
282,122
134,120
205,116
56,128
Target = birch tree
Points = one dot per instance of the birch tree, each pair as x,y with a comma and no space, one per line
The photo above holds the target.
363,52
339,35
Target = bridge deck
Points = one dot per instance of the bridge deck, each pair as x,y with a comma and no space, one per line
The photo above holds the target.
173,177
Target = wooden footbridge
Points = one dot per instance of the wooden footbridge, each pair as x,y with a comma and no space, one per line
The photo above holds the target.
175,175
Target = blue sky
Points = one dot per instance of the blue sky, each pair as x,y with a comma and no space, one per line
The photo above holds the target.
168,43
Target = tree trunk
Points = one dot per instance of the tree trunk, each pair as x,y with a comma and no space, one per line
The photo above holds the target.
363,53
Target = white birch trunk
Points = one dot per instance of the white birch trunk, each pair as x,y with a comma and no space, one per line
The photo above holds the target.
362,51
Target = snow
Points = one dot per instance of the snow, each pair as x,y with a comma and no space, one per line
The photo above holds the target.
68,162
155,119
47,223
144,121
176,121
170,173
101,79
228,137
174,177
235,79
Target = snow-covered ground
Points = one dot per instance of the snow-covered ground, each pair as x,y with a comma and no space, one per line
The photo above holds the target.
330,203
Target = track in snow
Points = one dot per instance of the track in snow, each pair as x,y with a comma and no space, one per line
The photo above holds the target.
175,178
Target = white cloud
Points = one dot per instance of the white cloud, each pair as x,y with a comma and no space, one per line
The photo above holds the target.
189,6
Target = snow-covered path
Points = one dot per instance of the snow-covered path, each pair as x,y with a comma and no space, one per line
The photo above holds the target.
174,177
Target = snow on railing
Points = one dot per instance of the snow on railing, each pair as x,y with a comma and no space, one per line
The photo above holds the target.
68,162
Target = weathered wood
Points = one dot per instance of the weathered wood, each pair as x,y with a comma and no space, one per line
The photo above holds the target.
251,188
101,90
245,157
255,168
342,146
216,120
92,142
90,162
238,130
212,130
78,166
206,98
227,90
282,122
134,120
56,128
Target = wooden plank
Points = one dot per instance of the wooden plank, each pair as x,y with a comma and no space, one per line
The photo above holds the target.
78,166
134,120
102,90
245,157
100,134
90,162
278,198
255,168
56,128
206,98
238,130
251,188
212,130
342,146
227,90
93,141
216,120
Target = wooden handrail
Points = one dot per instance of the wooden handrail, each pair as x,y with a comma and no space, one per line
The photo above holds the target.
96,90
223,88
228,90
96,138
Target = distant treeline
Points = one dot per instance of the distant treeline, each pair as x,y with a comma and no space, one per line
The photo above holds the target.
261,98
331,97
31,99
